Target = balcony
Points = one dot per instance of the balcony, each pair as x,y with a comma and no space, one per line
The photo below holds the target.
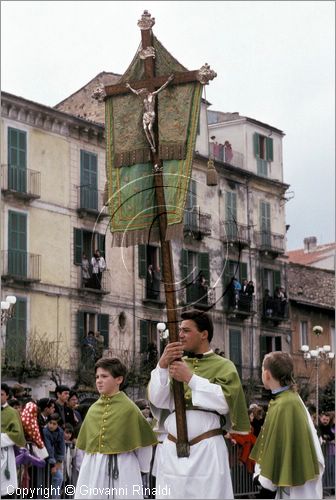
270,242
20,266
90,202
239,306
234,234
198,296
154,292
93,284
197,224
274,310
20,182
225,154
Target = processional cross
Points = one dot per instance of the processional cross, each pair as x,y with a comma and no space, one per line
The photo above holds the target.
148,89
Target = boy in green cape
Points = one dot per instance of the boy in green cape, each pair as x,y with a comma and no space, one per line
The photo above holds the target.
288,454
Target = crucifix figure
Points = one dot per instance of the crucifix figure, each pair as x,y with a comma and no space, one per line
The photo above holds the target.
149,100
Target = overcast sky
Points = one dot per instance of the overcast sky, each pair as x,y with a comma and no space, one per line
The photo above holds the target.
275,63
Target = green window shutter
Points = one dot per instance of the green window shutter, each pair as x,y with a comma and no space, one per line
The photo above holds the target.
101,244
184,265
204,266
78,246
242,272
269,149
235,349
276,278
80,326
263,347
17,243
103,327
143,335
142,261
17,148
16,334
265,216
231,206
278,343
256,145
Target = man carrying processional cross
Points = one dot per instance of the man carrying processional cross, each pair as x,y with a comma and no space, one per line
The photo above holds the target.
150,147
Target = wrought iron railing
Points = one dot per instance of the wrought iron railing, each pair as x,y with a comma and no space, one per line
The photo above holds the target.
222,153
21,265
95,283
197,223
232,232
91,200
23,182
270,242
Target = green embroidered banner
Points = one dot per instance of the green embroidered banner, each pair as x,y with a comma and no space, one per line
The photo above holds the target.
132,206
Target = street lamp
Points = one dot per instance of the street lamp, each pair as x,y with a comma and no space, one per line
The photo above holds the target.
317,355
7,309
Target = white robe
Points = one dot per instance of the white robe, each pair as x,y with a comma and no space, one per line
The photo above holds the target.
7,455
206,472
311,489
94,483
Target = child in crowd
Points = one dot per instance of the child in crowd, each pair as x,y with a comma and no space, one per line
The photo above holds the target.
116,438
54,441
288,455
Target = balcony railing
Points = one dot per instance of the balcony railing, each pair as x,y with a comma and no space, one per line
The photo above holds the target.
91,202
21,266
22,182
231,232
239,304
220,152
197,295
275,309
95,284
270,242
197,223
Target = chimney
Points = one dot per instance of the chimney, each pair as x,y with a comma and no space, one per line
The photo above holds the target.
310,244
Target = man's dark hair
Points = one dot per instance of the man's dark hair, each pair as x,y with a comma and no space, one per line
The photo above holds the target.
44,403
73,393
113,365
5,387
202,320
61,388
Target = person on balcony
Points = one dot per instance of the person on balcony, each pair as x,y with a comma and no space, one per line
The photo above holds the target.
268,303
236,289
85,265
98,266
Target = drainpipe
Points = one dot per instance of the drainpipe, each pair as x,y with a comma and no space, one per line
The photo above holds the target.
134,320
251,327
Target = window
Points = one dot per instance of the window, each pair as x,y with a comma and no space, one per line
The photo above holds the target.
231,214
235,269
191,208
17,160
16,334
89,321
149,267
148,335
263,150
269,344
271,279
193,266
304,333
235,349
87,242
17,244
88,181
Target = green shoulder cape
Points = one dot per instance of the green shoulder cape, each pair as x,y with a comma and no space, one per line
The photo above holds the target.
222,371
12,426
285,448
114,424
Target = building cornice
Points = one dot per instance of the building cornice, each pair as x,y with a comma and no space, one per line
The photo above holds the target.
51,120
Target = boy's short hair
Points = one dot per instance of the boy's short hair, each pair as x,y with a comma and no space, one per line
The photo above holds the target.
44,403
202,320
112,365
61,388
68,428
55,417
5,387
280,364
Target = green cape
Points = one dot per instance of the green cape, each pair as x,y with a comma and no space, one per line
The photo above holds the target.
285,448
222,371
12,426
114,424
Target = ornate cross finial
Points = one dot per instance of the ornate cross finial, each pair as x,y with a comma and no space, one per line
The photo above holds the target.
147,52
205,74
147,21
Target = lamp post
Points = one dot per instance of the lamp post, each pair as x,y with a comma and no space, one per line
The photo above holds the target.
317,355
